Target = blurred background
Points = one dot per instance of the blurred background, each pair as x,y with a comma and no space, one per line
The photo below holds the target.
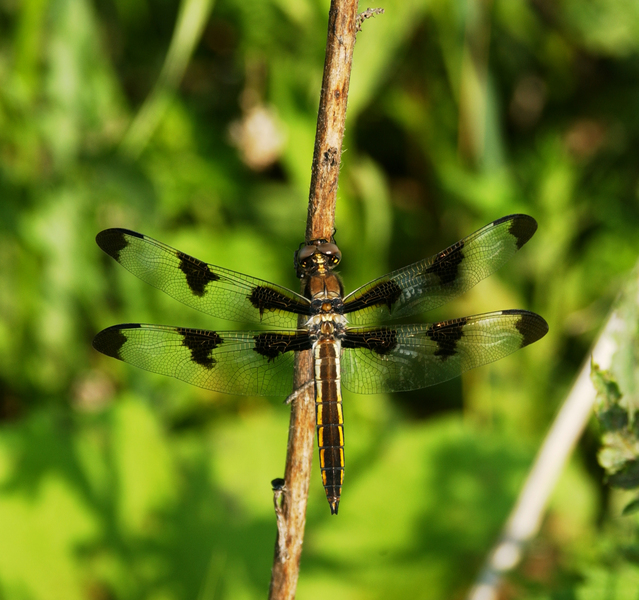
193,122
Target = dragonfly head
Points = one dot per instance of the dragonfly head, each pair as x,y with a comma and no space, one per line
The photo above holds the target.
316,257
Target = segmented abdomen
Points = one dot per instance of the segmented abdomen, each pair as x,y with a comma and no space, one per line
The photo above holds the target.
330,419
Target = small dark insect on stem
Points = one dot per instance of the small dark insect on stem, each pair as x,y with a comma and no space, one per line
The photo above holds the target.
343,25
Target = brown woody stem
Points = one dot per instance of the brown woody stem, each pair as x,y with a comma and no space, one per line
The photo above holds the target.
343,24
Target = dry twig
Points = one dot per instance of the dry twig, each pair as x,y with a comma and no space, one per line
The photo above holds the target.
342,29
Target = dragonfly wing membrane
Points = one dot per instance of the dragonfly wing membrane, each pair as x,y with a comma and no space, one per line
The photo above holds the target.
410,357
232,362
431,282
213,290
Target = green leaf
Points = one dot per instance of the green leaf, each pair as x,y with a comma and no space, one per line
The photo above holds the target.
631,508
627,477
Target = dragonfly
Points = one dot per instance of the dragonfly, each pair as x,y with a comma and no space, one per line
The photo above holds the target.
349,346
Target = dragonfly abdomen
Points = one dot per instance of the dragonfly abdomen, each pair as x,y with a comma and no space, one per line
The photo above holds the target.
330,419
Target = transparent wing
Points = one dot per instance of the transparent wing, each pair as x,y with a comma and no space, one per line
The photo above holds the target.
210,289
247,362
431,282
410,357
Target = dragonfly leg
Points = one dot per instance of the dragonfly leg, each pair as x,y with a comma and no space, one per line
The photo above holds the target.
300,390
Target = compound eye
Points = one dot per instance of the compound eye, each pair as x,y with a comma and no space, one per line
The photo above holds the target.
305,253
332,251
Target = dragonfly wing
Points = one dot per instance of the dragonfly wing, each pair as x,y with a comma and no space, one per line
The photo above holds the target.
431,282
410,357
213,290
233,362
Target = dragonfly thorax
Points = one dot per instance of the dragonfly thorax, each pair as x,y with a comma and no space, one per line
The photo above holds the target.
325,306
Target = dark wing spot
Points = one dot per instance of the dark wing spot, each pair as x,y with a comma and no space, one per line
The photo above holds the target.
265,298
271,344
197,272
110,340
129,232
381,341
446,263
385,292
522,228
201,344
112,241
530,325
446,335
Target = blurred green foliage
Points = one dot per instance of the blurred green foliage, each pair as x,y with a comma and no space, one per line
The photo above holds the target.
118,484
618,398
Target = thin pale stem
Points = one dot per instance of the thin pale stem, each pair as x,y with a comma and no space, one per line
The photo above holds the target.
191,21
525,519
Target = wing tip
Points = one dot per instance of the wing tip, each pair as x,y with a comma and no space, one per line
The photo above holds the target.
120,230
110,341
530,325
113,241
522,227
